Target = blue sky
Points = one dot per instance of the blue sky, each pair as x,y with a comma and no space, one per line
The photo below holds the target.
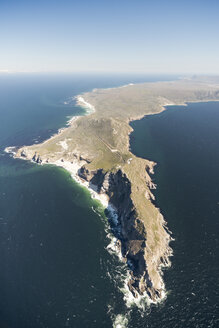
110,36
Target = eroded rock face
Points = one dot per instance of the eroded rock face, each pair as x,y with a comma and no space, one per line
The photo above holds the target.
140,228
36,158
130,229
133,239
23,154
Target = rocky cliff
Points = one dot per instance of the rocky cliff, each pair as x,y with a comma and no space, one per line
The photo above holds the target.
95,149
129,229
135,239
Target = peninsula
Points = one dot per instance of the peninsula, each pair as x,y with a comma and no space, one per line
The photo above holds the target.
95,149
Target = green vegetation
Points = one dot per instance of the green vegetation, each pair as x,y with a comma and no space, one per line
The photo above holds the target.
101,141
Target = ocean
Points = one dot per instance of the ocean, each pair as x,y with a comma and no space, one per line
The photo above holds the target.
56,267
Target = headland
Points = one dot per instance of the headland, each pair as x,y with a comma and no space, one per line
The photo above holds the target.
95,150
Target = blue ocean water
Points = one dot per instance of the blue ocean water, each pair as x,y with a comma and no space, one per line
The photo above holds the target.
184,142
56,270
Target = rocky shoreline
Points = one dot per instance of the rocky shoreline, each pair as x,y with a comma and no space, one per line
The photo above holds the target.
95,150
113,190
130,232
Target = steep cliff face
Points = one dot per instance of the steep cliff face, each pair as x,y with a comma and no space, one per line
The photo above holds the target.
141,236
130,229
96,149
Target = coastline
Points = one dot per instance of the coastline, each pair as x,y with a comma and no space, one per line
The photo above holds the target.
81,103
114,246
143,237
73,167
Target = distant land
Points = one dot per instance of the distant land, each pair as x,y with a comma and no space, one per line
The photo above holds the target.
95,149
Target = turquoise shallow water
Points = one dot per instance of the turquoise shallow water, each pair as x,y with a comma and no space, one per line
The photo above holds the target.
55,268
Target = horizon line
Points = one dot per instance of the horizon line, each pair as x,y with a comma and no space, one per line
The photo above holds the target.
4,71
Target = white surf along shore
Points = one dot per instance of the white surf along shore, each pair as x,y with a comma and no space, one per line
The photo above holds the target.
73,168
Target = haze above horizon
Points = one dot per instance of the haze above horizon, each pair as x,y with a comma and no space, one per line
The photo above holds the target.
112,36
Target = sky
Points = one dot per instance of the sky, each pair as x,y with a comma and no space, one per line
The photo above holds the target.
138,36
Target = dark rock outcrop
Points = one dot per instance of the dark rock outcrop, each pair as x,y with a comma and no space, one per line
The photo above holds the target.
23,154
36,158
129,230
